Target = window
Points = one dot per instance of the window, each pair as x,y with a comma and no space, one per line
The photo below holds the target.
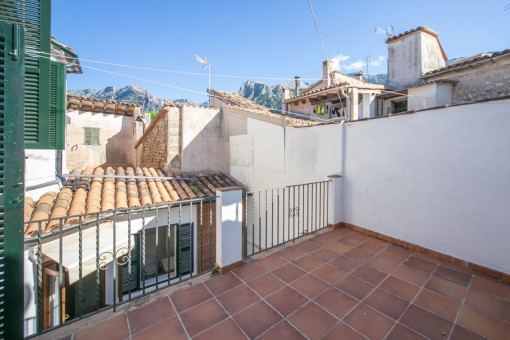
400,106
91,136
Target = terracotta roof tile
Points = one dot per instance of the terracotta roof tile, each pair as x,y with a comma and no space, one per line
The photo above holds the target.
238,101
106,194
100,105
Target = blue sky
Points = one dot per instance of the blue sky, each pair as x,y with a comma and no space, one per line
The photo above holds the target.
256,39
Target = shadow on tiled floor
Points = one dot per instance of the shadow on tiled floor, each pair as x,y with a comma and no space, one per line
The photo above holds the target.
337,285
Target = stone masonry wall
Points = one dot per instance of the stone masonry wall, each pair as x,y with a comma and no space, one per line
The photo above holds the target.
490,81
155,143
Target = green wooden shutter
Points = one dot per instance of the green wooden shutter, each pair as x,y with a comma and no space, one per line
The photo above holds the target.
35,16
57,105
11,180
132,284
185,248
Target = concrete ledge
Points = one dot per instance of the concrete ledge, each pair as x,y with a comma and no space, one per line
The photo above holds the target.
231,188
230,267
432,253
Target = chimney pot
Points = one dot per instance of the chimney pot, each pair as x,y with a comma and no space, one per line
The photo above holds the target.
359,75
296,84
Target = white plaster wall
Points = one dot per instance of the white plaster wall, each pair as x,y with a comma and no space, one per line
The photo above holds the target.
116,139
312,153
444,95
202,140
40,168
422,97
404,65
439,179
432,56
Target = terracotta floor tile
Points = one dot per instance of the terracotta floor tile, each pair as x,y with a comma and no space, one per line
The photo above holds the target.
290,253
282,331
266,284
307,246
417,263
393,256
410,274
488,304
324,254
272,262
400,332
344,263
329,274
322,239
491,287
149,315
312,321
190,297
426,323
222,283
171,328
225,330
426,257
308,262
249,271
380,263
355,287
398,250
355,238
286,300
446,288
438,304
369,274
336,302
338,247
483,324
387,303
289,272
400,287
237,299
453,275
369,322
342,331
358,255
460,333
203,316
309,285
373,245
116,328
256,319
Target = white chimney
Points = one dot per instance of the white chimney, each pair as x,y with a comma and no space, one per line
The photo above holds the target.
327,68
359,75
296,85
412,54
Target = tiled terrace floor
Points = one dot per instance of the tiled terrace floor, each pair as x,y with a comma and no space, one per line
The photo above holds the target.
336,285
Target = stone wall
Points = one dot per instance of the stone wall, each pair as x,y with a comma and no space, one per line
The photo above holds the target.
488,81
154,143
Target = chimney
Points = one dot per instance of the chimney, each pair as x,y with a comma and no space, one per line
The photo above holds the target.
413,53
285,97
327,68
359,75
296,84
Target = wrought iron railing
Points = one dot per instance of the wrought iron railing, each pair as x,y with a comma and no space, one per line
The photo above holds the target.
79,265
275,216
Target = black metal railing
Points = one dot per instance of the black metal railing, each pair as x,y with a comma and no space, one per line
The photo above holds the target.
79,265
275,216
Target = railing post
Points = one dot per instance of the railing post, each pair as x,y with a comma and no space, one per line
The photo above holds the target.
229,228
335,201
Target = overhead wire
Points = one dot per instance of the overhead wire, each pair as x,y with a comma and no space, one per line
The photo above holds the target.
323,48
183,72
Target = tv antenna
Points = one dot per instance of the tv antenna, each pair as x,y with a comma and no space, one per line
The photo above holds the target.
206,63
388,31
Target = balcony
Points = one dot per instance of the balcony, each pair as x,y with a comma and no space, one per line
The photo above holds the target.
334,284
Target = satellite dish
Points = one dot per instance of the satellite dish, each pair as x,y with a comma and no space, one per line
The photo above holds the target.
388,32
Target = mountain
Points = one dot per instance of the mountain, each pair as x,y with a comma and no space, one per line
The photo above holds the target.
271,95
131,94
267,95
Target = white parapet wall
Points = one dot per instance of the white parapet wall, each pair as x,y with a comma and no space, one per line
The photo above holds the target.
438,178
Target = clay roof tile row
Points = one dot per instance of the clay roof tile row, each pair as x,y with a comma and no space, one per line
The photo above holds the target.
100,105
107,194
